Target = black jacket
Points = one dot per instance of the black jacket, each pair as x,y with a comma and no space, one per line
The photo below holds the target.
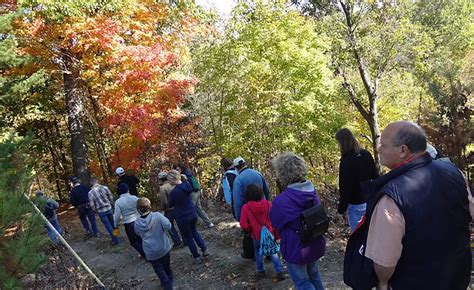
132,181
354,169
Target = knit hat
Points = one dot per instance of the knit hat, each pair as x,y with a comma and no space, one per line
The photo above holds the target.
74,179
123,188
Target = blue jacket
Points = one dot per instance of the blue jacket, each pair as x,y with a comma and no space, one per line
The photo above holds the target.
228,183
152,229
79,195
246,177
180,199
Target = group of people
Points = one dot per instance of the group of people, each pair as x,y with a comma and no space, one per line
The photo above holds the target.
407,225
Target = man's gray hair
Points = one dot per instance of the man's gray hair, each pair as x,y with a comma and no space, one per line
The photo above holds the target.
411,135
289,168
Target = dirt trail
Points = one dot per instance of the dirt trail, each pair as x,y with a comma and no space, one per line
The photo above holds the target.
120,267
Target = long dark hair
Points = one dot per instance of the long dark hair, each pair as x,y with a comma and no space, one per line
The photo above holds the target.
253,192
347,141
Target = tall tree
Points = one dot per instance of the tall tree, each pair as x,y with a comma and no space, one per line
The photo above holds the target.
371,41
265,87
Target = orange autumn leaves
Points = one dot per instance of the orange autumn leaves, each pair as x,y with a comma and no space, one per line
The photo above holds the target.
127,63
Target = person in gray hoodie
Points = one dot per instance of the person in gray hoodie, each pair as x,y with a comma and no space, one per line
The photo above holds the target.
152,227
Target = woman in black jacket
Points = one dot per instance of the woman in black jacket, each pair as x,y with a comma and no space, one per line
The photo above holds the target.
356,165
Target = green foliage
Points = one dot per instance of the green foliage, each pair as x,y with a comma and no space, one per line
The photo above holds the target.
265,87
21,233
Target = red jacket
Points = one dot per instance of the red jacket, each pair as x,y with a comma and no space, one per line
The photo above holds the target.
254,215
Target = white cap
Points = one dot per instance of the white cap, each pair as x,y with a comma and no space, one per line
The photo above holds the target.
119,170
431,150
238,161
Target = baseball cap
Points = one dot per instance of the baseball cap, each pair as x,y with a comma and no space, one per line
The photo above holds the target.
119,170
162,175
238,161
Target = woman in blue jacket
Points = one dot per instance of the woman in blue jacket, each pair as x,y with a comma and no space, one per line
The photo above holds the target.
185,214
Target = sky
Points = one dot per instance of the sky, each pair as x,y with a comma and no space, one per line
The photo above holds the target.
223,6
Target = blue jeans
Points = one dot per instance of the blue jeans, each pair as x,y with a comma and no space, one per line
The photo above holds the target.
85,213
162,268
355,213
259,259
51,234
108,220
187,227
305,276
173,232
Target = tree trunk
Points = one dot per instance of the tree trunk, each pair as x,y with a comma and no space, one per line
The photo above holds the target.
101,148
73,92
370,114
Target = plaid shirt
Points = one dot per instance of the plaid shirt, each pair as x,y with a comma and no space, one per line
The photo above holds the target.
100,198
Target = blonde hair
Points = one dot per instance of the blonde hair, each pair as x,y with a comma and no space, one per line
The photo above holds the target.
174,174
143,205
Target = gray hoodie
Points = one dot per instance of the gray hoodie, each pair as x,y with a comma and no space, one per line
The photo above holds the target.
152,229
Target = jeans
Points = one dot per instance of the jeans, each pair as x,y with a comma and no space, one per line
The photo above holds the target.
162,268
51,234
85,213
355,213
259,259
196,199
187,227
173,232
133,238
108,220
305,276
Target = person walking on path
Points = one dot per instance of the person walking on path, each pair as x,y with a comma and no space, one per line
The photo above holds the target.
131,180
151,228
126,209
185,214
48,207
79,198
228,178
196,194
298,194
101,201
417,220
356,165
255,215
165,190
245,177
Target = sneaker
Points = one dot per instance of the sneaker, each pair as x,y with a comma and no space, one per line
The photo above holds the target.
261,274
205,254
198,260
281,276
211,225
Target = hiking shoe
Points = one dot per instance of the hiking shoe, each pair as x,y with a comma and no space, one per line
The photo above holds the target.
246,257
205,254
178,245
198,260
281,276
261,274
211,225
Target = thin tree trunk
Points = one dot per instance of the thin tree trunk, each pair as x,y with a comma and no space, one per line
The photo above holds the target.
99,142
370,115
73,92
